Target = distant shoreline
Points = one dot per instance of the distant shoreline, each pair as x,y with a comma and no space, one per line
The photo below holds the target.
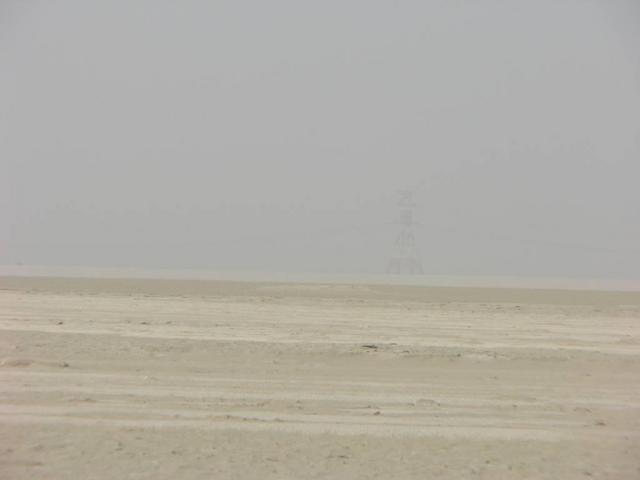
485,282
366,294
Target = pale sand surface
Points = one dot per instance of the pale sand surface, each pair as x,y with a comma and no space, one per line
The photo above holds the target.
185,379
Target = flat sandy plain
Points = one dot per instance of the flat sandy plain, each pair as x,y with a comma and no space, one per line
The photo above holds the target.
179,379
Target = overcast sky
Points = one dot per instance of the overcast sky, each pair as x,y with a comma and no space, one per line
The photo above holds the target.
273,135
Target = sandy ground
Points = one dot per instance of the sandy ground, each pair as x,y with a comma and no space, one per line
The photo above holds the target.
151,379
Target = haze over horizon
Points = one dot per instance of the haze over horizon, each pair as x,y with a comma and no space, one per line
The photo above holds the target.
274,135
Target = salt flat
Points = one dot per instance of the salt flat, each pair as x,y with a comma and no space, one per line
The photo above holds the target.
189,379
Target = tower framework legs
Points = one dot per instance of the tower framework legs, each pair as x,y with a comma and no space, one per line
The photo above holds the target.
405,259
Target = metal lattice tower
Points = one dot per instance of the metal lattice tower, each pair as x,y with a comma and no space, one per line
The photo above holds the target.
405,259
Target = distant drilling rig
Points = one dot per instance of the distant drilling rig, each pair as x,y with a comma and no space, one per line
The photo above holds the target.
405,259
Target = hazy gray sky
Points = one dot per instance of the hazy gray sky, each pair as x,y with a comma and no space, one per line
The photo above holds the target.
274,135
